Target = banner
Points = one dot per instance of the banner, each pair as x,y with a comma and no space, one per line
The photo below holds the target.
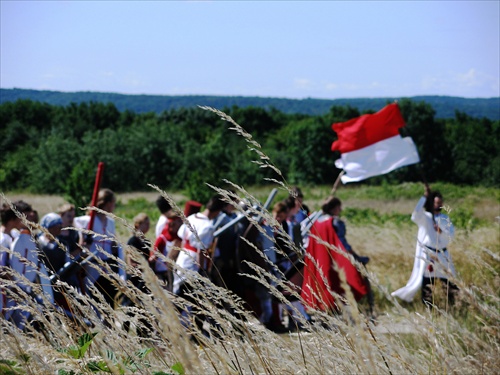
370,145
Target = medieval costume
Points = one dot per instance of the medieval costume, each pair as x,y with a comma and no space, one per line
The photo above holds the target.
324,266
432,260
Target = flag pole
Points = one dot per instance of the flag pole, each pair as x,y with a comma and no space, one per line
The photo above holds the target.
95,194
336,184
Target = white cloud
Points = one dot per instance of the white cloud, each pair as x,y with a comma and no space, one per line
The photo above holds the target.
471,82
303,83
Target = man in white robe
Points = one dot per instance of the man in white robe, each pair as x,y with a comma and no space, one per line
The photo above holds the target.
432,260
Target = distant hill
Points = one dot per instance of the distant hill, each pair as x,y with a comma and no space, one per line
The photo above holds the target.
444,106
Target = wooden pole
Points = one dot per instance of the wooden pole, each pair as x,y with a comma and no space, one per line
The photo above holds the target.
336,184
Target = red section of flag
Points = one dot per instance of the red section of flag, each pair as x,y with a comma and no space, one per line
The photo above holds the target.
366,130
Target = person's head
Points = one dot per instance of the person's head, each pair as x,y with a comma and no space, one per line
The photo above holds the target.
142,222
298,194
174,222
163,205
280,211
215,204
67,212
435,202
24,208
106,200
332,206
230,207
52,222
8,215
293,205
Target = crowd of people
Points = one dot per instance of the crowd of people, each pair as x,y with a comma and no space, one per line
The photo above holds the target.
305,251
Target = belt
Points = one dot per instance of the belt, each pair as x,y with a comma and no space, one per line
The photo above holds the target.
436,250
189,247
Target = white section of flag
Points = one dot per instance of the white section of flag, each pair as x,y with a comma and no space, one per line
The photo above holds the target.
379,158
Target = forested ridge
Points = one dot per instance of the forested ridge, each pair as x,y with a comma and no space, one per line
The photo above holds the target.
445,106
55,149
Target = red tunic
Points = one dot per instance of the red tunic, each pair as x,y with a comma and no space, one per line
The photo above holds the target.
317,293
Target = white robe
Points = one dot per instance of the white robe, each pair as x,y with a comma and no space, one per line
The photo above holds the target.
427,262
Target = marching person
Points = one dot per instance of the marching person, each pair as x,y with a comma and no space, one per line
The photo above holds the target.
321,279
11,225
287,256
55,254
164,207
103,246
26,262
302,211
264,259
432,260
140,246
333,207
69,237
166,247
223,271
197,238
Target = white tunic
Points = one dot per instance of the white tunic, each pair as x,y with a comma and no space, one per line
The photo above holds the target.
162,222
5,243
102,243
26,263
200,238
431,260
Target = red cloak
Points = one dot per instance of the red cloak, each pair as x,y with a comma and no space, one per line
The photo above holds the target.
317,293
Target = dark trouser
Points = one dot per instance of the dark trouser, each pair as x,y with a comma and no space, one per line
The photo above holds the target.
145,327
107,289
185,292
429,282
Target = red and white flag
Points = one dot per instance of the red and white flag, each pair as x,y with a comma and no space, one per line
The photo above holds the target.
370,145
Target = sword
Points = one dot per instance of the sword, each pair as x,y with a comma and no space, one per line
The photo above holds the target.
241,216
311,219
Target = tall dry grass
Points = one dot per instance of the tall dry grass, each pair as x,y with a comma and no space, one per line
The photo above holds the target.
407,338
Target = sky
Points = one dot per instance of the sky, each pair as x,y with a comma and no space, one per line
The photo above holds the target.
284,49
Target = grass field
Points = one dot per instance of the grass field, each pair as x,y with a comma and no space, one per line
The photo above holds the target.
407,338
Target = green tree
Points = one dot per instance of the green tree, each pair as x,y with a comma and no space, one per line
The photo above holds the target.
475,150
306,149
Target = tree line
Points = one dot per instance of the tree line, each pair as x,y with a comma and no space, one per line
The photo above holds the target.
55,149
444,106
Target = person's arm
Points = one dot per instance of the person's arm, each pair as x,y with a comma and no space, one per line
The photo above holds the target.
418,214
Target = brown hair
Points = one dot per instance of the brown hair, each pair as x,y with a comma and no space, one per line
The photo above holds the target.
105,196
8,213
280,207
330,203
66,207
139,219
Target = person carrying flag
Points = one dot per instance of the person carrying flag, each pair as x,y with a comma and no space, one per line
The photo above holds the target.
103,245
432,260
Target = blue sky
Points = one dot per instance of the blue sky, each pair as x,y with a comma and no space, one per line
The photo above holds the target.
290,49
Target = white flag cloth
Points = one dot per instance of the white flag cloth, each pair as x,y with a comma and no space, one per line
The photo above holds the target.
378,158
